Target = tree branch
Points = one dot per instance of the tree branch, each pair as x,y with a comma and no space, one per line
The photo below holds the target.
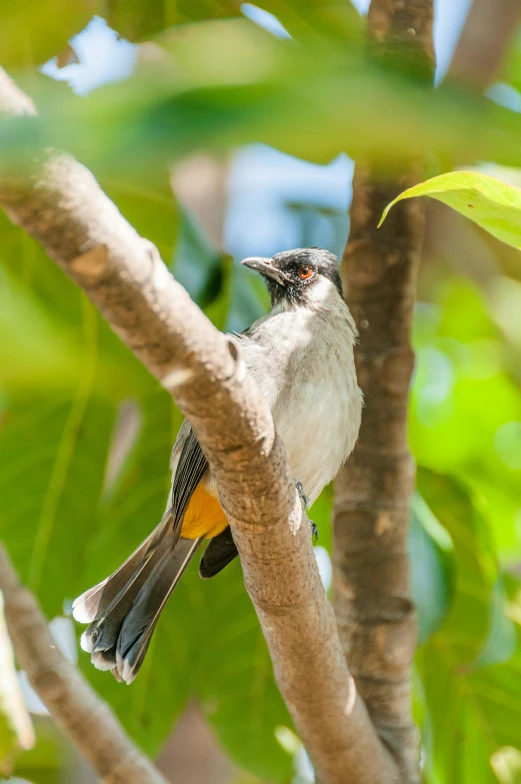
62,206
72,703
373,606
490,26
16,729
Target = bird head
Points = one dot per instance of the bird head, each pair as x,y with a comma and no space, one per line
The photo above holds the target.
304,276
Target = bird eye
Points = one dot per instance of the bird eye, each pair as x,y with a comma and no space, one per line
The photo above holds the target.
305,273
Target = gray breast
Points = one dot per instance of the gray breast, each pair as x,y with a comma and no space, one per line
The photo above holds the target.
303,362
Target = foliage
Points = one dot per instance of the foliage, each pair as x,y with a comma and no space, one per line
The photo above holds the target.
85,434
491,203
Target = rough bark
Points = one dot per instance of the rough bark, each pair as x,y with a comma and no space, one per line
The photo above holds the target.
73,704
62,206
374,610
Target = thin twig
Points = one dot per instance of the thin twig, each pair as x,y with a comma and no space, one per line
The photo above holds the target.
72,703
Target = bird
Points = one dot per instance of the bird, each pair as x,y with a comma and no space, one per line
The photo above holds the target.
301,355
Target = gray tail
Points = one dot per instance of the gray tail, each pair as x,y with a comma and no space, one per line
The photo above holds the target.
123,610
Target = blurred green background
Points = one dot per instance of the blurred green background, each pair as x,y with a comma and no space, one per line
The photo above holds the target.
224,130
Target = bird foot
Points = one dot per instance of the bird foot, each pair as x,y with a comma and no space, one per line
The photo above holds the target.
303,497
305,503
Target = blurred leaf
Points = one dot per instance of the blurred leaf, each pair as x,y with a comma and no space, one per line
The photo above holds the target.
470,667
235,680
431,575
333,19
470,715
152,211
231,298
461,364
248,299
491,203
501,644
16,730
469,622
51,759
33,349
34,31
227,82
57,447
197,262
138,20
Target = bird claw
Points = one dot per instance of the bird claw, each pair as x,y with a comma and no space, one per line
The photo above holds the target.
302,495
305,503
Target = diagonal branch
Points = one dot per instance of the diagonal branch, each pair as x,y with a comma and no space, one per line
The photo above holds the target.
373,606
62,206
74,705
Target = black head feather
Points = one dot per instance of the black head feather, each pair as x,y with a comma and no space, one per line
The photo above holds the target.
290,275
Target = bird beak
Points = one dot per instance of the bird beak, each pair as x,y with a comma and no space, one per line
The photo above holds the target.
265,267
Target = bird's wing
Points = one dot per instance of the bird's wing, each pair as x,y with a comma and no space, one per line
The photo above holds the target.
220,552
189,465
221,549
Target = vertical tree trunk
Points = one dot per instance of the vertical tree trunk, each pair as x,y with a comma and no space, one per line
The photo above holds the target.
373,606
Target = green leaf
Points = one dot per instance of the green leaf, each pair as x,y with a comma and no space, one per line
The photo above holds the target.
235,680
197,262
140,19
35,30
50,760
57,447
491,203
257,88
469,668
470,619
43,318
149,207
501,642
431,574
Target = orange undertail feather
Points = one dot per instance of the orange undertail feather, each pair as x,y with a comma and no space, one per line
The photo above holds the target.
204,515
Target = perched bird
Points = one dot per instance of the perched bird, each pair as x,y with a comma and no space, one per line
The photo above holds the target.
301,356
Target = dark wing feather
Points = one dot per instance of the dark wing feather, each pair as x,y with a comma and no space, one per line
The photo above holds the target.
191,467
220,551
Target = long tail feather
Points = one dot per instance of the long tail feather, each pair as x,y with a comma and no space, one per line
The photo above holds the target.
140,622
92,604
123,610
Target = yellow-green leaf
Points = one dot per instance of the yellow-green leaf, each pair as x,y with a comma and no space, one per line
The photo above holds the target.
491,203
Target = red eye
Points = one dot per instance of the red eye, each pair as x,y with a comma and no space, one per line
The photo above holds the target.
305,273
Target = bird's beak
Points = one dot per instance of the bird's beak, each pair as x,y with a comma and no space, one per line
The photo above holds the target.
265,267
